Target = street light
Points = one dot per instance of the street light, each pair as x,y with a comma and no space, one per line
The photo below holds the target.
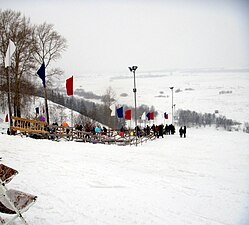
133,69
172,104
174,108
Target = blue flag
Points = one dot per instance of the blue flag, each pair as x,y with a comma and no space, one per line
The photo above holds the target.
41,73
120,112
148,115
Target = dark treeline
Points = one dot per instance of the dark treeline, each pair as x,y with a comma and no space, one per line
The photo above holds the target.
95,111
192,118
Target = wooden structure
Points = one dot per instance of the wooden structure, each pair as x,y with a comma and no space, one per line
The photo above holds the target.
28,126
38,129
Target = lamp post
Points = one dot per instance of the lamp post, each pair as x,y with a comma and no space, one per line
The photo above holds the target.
133,69
172,106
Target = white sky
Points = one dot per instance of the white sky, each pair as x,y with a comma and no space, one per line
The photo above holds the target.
108,36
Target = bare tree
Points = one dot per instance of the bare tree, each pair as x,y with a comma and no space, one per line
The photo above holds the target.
18,28
108,99
49,47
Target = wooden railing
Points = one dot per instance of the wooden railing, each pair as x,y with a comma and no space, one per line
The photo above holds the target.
53,132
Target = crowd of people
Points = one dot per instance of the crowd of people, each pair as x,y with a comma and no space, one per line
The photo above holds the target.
155,130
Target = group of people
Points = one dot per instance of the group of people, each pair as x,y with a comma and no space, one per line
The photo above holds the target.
156,130
159,130
182,131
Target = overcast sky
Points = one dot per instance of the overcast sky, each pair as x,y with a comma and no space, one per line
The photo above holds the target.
108,36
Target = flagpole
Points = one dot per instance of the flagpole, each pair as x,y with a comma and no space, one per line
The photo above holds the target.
46,104
8,81
72,112
9,105
114,124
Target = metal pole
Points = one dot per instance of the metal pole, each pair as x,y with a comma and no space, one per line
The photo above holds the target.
9,99
46,104
172,106
135,98
72,112
172,109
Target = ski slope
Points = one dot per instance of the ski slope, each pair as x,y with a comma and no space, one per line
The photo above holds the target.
200,180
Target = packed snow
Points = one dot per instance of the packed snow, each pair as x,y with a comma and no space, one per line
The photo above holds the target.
200,180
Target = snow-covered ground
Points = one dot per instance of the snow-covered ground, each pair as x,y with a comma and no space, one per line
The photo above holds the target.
200,180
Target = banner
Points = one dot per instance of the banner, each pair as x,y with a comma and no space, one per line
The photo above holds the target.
152,115
143,117
120,112
7,118
113,109
69,86
41,73
128,114
10,51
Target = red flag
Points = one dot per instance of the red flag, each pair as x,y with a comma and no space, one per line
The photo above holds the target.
128,114
6,118
167,116
152,115
69,86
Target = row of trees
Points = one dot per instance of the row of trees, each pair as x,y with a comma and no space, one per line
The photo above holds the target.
192,118
95,111
35,44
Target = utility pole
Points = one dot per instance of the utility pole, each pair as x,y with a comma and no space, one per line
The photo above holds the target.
172,106
133,69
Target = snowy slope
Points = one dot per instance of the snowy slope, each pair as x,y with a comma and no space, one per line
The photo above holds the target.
200,180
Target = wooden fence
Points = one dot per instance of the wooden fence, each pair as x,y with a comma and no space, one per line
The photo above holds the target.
52,132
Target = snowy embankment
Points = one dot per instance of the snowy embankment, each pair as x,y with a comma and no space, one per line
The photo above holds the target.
203,179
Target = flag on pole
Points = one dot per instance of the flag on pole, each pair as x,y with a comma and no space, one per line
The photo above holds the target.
120,112
41,73
152,115
6,118
69,86
11,49
148,115
166,116
143,117
128,114
113,109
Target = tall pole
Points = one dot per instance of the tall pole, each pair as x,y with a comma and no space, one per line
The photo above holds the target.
172,106
9,104
46,104
133,69
10,50
72,112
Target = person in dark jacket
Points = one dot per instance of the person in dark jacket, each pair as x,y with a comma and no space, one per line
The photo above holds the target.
184,131
160,130
181,132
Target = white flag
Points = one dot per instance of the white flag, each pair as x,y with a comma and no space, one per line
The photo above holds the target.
11,49
113,109
143,117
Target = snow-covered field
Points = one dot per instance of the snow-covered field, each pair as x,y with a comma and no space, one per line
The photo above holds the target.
202,92
200,180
